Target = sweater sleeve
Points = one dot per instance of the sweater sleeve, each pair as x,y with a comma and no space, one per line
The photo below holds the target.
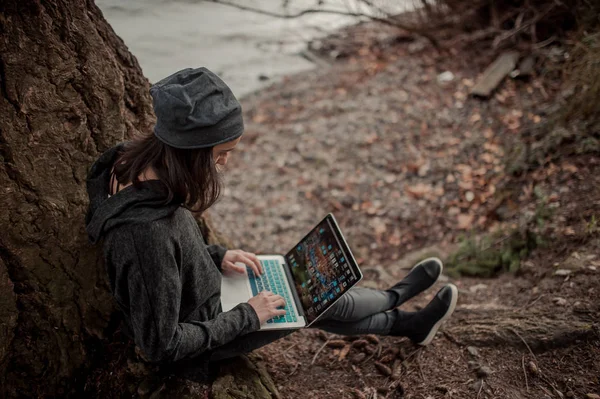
155,296
217,253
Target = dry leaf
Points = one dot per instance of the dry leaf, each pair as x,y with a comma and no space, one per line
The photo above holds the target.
419,190
344,352
465,221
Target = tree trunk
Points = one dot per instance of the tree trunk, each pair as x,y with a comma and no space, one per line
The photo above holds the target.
69,90
484,326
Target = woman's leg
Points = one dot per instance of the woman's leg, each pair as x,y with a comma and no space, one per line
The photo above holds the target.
419,326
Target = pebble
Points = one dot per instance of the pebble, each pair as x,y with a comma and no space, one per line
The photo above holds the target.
562,272
559,301
477,287
484,371
445,77
472,351
592,396
533,369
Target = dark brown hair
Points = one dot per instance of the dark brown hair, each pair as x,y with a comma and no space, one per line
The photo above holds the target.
191,176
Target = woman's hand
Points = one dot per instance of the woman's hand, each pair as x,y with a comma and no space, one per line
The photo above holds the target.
247,258
265,304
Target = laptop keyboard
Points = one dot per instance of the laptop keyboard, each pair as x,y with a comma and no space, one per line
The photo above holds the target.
273,280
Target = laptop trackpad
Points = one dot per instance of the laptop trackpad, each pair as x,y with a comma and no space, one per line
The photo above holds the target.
235,289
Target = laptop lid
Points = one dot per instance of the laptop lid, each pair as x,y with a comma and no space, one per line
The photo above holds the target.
322,268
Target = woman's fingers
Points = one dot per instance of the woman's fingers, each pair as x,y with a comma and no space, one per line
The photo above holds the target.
234,267
248,262
279,312
256,261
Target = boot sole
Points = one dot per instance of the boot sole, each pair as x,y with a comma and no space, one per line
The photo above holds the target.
448,313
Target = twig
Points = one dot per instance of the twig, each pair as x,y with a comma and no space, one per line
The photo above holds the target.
318,351
528,305
480,388
520,28
289,348
527,345
386,21
420,368
525,372
294,369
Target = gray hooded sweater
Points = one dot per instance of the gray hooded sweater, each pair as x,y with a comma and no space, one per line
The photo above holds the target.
164,277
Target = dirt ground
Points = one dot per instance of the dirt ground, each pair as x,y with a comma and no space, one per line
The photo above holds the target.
410,164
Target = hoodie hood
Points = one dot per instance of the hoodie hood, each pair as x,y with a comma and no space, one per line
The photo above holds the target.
134,204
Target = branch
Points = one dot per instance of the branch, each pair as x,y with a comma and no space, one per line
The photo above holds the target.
386,21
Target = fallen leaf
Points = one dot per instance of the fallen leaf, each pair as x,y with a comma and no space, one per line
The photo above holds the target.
419,190
344,351
465,221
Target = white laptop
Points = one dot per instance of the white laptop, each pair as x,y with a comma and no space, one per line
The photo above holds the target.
311,277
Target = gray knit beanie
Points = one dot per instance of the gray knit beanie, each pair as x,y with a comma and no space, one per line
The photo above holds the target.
195,109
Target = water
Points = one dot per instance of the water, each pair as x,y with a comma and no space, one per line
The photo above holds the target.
240,46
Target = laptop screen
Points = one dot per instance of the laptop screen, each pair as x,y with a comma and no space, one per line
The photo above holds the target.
323,268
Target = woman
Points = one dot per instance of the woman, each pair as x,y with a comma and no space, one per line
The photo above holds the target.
164,277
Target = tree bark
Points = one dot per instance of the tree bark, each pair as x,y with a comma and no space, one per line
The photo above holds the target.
530,330
69,89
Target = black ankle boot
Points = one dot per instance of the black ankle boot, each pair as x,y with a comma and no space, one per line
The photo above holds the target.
422,326
421,277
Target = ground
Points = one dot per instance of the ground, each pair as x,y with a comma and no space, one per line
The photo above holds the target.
410,164
388,139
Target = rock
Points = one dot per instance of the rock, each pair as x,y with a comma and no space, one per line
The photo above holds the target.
484,371
592,396
445,77
477,287
472,351
262,77
533,369
562,272
559,301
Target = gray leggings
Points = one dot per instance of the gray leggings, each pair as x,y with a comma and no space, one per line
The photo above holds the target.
360,311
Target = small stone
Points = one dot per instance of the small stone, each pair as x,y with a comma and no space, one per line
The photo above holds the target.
484,371
469,196
592,396
445,77
562,272
531,366
472,351
477,287
559,301
262,77
473,364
